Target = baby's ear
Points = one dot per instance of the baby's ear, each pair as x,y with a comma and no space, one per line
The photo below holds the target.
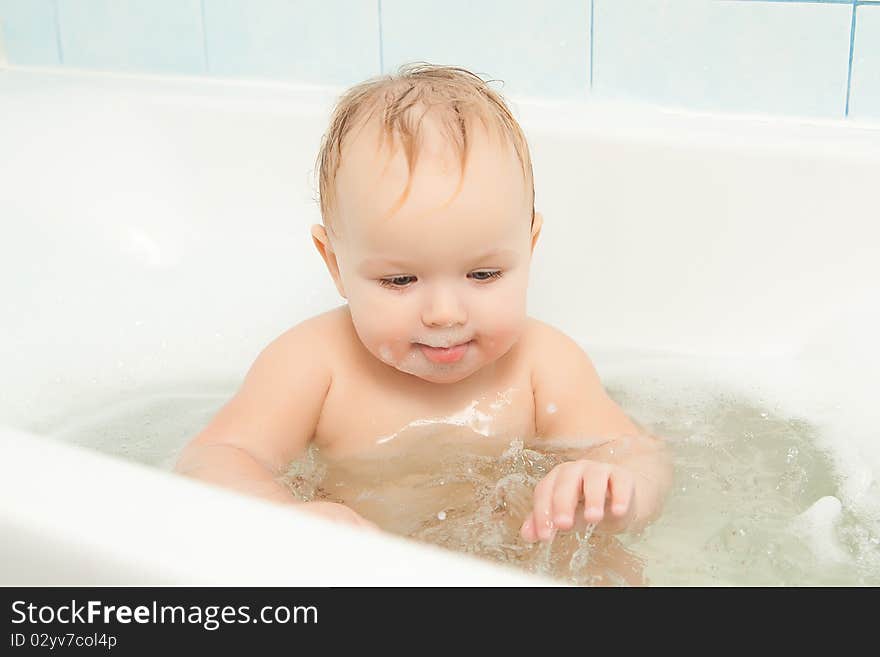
536,229
325,248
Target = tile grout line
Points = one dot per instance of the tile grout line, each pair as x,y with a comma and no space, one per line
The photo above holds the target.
58,33
852,40
592,33
3,60
205,38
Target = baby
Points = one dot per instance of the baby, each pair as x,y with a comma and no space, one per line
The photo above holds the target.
429,226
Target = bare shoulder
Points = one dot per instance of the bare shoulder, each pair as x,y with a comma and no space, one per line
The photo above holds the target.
536,329
547,347
313,339
557,362
326,323
569,396
274,413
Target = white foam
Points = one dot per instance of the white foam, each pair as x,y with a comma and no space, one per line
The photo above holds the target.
817,526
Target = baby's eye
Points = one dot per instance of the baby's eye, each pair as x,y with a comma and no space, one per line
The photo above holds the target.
486,275
397,282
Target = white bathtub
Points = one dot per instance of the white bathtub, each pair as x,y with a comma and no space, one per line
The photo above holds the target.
155,237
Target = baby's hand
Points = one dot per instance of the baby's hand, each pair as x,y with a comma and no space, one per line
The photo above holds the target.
337,513
557,496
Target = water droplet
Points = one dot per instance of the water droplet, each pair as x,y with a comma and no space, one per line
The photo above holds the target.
441,515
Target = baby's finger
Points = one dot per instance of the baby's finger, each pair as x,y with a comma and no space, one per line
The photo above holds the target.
566,494
528,530
542,506
595,487
622,486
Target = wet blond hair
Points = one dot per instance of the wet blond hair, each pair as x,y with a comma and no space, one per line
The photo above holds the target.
453,95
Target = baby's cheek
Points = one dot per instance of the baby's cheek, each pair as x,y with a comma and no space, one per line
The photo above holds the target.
499,340
382,327
501,326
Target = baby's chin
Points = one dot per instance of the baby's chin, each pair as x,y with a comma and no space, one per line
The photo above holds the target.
448,377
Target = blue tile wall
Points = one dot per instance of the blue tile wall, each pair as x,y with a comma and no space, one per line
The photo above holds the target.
151,36
28,32
800,57
536,48
764,57
308,40
865,91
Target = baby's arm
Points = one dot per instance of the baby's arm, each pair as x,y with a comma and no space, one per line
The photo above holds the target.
623,478
268,423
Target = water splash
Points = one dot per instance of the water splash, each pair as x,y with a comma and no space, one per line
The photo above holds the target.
464,499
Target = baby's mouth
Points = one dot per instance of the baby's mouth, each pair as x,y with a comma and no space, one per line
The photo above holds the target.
445,354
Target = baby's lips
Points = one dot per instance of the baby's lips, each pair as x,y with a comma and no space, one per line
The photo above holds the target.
444,354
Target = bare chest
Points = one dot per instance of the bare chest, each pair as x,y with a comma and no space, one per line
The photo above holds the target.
365,414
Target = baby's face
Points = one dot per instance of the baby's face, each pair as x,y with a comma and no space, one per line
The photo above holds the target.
436,286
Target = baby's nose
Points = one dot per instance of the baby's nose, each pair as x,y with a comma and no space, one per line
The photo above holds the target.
444,309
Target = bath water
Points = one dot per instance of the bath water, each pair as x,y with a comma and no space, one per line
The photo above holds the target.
757,497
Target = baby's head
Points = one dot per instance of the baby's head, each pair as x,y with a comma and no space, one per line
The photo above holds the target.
428,220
